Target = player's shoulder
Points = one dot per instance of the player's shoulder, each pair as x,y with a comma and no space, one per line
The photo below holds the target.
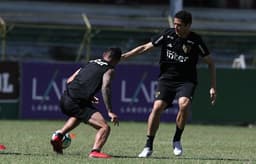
169,31
195,36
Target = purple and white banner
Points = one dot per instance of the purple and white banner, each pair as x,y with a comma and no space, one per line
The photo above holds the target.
133,91
42,85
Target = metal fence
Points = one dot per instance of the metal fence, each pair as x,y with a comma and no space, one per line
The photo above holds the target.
49,36
68,43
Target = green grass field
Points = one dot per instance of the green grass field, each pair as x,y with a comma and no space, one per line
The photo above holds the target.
28,142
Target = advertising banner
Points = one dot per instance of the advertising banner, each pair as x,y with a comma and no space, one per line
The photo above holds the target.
42,86
9,89
133,91
9,80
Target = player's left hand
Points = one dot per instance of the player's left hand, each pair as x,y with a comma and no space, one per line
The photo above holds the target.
114,118
213,95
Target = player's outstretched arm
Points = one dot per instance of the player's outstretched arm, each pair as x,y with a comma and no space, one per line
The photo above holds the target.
137,51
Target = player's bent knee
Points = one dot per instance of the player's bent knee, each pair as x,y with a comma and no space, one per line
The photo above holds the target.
184,103
106,128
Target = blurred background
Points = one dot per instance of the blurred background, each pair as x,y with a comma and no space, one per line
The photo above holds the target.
73,31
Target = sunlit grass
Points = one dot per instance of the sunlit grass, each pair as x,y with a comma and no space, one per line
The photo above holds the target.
28,142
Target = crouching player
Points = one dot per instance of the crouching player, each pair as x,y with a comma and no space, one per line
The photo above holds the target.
77,101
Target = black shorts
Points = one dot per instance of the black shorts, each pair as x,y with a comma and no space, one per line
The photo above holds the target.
76,108
168,90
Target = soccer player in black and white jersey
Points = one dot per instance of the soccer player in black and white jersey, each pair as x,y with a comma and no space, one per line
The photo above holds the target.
79,96
180,50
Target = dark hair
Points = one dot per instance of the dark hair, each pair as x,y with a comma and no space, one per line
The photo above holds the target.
185,16
114,52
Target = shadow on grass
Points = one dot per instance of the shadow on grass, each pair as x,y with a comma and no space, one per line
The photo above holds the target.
188,158
135,157
38,154
15,153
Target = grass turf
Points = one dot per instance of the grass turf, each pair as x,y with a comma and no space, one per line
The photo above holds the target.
28,142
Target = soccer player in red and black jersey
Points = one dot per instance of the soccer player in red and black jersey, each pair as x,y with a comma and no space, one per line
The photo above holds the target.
180,51
77,100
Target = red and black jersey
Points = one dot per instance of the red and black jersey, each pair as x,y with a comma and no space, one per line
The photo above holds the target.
179,56
89,80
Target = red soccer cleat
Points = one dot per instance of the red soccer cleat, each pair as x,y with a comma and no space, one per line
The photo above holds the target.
2,147
96,154
56,142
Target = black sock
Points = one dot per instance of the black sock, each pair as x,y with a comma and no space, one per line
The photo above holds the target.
149,143
97,150
178,134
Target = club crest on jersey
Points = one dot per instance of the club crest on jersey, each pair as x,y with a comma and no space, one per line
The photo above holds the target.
170,37
186,48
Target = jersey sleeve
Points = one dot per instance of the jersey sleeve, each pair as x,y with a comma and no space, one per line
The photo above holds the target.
158,40
203,50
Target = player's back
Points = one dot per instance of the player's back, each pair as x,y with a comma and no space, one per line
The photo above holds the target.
89,80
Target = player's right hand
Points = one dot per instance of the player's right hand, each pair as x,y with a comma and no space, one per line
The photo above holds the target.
213,95
114,118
